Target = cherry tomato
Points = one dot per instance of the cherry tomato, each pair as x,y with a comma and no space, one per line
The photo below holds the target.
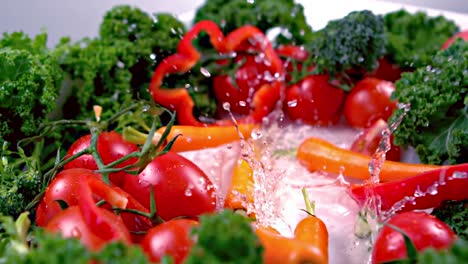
368,141
387,71
70,223
170,238
65,187
111,146
462,34
314,100
423,229
181,188
368,101
248,79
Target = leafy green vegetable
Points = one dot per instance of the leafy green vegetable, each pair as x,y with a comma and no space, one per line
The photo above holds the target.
414,38
116,68
455,214
20,179
30,79
42,247
225,237
264,14
354,42
437,124
457,253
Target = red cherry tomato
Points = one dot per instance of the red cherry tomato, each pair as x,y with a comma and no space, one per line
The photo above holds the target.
248,79
368,101
70,223
368,141
314,100
170,238
181,188
65,187
387,71
111,146
462,34
423,229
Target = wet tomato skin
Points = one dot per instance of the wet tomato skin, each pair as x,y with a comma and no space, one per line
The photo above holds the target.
170,238
462,35
368,101
181,188
424,230
111,146
314,101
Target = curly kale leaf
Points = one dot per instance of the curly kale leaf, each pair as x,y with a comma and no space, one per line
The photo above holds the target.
30,79
225,237
414,38
264,14
455,214
354,42
116,67
437,124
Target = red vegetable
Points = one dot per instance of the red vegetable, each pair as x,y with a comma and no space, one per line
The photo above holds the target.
314,100
178,99
111,146
181,188
368,101
368,141
445,183
462,35
94,226
423,229
252,75
171,239
387,71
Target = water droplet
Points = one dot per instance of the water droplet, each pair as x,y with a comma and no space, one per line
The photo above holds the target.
292,103
242,103
205,72
188,190
120,64
227,106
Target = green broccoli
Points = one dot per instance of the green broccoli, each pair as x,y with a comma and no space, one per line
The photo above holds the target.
455,214
437,123
414,38
30,80
225,237
350,44
264,14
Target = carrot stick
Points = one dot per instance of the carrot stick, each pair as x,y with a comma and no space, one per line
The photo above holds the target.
242,186
319,155
195,138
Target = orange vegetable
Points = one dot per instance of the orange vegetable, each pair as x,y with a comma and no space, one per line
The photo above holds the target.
194,138
309,245
242,187
319,155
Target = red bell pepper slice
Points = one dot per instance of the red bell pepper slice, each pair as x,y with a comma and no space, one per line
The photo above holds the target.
423,191
179,100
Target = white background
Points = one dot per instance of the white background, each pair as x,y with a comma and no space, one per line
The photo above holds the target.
81,18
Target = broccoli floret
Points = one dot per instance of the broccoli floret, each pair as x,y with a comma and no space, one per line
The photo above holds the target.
264,14
437,123
30,79
414,38
225,237
455,214
350,44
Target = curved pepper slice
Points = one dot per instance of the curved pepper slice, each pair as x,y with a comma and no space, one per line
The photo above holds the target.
423,191
187,56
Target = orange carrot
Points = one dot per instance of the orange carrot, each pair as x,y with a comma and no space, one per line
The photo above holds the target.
195,138
309,244
242,186
319,155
